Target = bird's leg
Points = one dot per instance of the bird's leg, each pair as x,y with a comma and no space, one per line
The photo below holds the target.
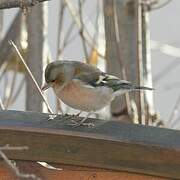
74,115
78,114
52,116
82,122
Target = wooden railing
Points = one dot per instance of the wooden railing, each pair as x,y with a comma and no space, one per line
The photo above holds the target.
109,145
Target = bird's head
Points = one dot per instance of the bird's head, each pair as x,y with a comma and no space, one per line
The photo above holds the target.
54,74
58,73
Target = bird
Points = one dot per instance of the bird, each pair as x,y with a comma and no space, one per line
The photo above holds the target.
85,87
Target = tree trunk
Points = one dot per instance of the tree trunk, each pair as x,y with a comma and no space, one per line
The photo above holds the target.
36,28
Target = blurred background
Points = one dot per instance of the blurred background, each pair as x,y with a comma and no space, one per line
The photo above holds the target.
135,40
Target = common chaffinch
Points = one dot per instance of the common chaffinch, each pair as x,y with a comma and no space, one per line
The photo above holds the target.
83,86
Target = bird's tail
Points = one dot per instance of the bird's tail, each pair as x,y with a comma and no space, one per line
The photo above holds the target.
128,87
142,88
120,86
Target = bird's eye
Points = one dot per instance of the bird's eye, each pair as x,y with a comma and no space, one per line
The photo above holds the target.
53,81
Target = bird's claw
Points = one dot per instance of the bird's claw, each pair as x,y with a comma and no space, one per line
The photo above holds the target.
52,117
77,124
73,115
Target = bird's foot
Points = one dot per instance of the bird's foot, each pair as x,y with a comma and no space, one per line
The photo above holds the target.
77,124
52,116
73,115
78,114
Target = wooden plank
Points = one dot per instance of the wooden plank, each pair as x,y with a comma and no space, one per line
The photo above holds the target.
68,172
109,145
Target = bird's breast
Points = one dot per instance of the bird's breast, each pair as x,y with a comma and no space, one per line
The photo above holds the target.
82,97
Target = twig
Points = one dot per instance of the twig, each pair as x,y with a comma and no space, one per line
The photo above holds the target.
81,32
31,76
161,5
75,15
15,169
154,4
1,105
60,28
6,90
165,48
67,38
8,147
6,4
4,68
17,93
96,35
60,41
174,111
12,86
12,165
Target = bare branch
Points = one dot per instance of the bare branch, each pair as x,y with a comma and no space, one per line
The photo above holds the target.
6,4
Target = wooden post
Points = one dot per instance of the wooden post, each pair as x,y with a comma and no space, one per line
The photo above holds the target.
36,28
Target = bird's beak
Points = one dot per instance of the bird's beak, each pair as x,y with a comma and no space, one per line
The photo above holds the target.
46,86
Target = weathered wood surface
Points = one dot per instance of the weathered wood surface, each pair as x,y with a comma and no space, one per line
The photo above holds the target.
68,172
109,145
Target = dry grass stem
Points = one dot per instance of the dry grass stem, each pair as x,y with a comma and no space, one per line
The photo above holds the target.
1,105
31,76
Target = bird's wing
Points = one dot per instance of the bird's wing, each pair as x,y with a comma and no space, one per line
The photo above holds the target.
89,78
117,84
114,82
101,79
98,79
